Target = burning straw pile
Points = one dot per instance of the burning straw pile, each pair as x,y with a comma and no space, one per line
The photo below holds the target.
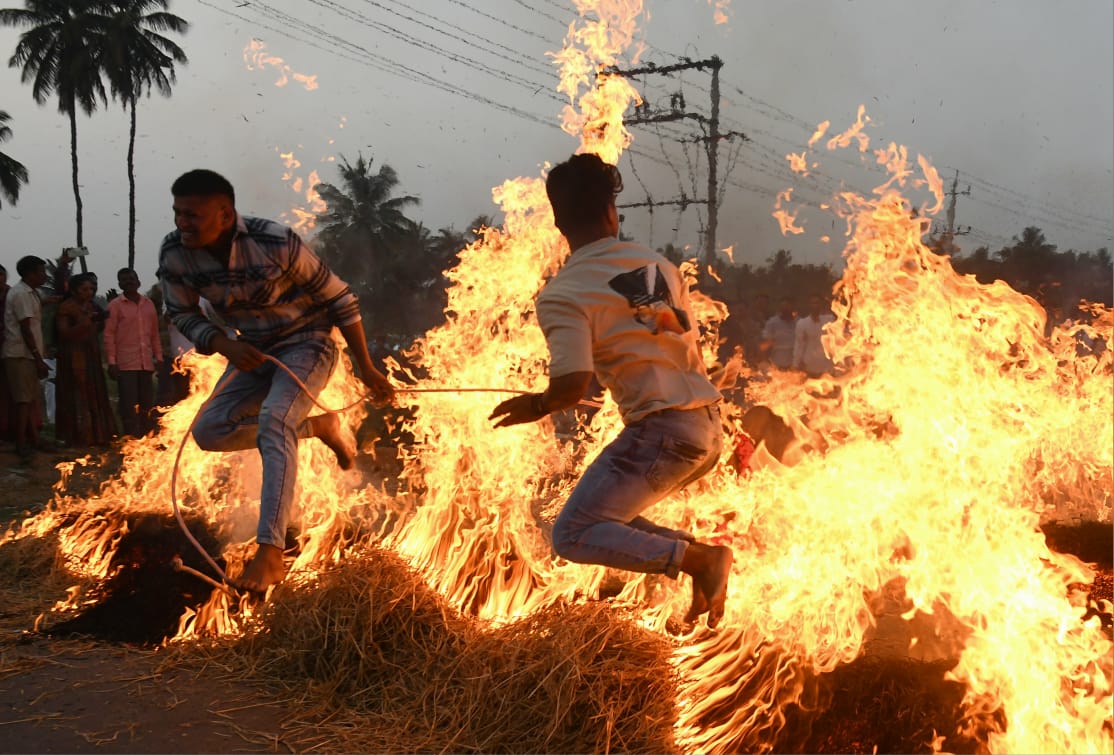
375,661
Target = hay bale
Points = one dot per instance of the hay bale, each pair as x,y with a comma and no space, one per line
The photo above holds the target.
384,664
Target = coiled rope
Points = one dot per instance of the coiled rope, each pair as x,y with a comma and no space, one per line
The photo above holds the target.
177,562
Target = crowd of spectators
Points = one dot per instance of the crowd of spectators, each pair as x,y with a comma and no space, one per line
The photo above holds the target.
64,347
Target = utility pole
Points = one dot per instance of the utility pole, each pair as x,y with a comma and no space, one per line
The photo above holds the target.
949,233
951,205
713,150
645,115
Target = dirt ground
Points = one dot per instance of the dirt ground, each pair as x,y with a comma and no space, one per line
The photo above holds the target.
59,696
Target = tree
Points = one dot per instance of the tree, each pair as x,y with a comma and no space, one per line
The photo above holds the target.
364,228
60,55
13,174
1031,263
136,60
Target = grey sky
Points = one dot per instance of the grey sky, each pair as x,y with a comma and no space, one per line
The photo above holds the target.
458,95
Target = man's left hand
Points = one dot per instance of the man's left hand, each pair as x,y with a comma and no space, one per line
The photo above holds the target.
518,410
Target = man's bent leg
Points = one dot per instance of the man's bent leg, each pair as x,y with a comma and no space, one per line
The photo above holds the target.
229,420
650,459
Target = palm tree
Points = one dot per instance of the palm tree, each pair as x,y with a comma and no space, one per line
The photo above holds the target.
363,226
60,55
12,173
137,59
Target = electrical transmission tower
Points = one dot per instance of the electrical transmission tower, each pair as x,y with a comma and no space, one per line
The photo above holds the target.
644,114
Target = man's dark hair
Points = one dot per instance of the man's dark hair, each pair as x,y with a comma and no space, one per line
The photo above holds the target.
29,264
203,183
580,191
123,270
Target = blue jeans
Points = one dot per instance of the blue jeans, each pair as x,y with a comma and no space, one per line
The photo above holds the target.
266,409
651,458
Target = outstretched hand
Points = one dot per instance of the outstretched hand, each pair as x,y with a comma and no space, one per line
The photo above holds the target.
517,410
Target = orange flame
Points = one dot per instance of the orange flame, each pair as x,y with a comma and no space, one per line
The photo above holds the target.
256,60
923,468
787,221
797,163
719,10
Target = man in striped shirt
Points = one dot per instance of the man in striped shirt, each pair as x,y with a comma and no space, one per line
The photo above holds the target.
282,301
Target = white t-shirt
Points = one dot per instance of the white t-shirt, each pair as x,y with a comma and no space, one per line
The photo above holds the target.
780,332
808,351
22,303
621,310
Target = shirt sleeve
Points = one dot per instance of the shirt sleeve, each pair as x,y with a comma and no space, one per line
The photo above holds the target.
568,335
323,285
23,306
182,303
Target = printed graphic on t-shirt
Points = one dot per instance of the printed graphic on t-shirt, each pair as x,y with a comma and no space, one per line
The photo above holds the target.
648,294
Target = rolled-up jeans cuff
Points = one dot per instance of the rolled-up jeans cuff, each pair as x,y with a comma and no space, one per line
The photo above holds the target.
673,568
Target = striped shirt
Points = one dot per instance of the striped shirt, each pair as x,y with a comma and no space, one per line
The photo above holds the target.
274,291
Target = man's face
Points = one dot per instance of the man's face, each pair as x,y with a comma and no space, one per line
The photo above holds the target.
37,277
128,282
202,220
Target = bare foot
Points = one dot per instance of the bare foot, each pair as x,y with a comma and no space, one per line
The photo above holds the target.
710,568
327,429
265,569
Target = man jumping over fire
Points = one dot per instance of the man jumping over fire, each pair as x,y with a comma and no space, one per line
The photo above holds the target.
282,301
620,311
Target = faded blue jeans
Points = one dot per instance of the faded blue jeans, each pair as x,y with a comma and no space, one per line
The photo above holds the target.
602,524
266,409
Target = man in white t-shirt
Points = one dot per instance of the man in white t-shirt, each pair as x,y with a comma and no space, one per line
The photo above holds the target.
778,334
620,311
808,349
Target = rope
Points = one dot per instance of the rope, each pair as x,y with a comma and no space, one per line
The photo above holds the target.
220,386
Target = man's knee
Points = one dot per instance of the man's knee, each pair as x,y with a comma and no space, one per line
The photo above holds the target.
209,432
565,536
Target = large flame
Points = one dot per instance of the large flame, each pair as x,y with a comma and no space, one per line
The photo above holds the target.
922,471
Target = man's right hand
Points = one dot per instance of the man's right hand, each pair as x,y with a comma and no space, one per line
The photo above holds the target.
114,372
41,368
241,354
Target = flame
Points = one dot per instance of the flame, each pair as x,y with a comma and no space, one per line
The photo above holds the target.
302,217
854,133
819,133
719,8
255,59
787,221
797,163
921,470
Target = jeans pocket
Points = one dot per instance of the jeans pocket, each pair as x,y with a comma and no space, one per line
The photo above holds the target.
677,460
